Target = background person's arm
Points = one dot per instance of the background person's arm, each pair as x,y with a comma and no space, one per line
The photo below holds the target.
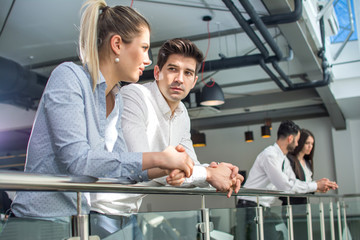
285,180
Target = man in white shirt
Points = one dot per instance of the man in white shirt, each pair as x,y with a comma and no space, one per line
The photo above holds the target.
272,171
154,117
155,112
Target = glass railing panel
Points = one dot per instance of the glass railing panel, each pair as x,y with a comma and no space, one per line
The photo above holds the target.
169,225
275,218
240,223
299,218
41,229
352,228
235,223
329,221
225,223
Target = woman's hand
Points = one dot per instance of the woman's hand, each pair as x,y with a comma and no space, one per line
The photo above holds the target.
176,177
177,158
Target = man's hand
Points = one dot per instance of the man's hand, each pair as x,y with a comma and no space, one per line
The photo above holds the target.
233,168
224,177
324,185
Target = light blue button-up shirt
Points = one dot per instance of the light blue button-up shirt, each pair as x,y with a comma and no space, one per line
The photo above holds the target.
68,139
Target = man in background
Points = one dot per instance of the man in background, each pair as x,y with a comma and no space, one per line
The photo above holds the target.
272,171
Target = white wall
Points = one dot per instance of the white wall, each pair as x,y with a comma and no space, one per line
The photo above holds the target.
347,154
228,145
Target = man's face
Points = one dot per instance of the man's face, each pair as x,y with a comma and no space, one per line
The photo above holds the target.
176,78
293,142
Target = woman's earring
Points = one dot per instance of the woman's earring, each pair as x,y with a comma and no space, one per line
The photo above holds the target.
117,60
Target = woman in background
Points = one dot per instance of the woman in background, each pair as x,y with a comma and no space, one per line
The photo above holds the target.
301,161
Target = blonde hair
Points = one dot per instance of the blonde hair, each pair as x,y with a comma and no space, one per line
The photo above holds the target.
98,23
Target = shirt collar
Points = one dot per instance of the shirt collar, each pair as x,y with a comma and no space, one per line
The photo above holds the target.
101,77
162,104
101,80
279,149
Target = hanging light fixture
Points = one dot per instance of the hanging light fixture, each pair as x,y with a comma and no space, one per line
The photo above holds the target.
249,136
268,123
198,138
265,131
212,94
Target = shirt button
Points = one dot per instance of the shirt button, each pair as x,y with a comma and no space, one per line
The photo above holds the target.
132,171
102,139
140,176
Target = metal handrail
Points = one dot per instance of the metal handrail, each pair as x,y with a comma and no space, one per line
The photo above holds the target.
40,182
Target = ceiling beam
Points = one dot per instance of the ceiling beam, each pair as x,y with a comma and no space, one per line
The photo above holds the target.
335,113
270,98
245,119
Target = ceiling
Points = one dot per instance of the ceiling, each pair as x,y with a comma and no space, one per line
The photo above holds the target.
37,35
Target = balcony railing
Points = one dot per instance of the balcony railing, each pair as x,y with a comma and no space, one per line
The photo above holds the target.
328,218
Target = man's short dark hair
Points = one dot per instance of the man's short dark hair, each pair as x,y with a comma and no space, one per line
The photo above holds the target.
287,128
180,46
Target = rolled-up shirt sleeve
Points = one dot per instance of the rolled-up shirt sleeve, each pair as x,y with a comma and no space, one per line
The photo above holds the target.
283,180
198,178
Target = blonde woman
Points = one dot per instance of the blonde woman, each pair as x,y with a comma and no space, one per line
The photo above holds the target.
77,130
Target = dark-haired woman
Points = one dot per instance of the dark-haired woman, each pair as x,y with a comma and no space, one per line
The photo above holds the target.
301,161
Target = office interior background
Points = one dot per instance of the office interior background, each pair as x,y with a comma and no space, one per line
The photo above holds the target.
285,70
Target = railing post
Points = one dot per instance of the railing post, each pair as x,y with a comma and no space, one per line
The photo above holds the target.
332,227
289,217
322,220
204,227
309,220
339,219
259,221
80,223
345,222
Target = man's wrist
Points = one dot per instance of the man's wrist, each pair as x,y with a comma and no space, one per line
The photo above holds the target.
209,172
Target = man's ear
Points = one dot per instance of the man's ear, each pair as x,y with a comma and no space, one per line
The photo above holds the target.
156,72
195,80
116,44
290,138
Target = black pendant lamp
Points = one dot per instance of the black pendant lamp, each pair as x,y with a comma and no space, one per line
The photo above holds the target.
268,123
212,94
249,136
265,131
198,138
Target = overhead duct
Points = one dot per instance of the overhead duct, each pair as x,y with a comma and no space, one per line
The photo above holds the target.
263,58
265,33
261,27
18,85
283,18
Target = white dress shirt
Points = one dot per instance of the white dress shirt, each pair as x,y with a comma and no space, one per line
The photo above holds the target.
149,126
308,173
272,171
